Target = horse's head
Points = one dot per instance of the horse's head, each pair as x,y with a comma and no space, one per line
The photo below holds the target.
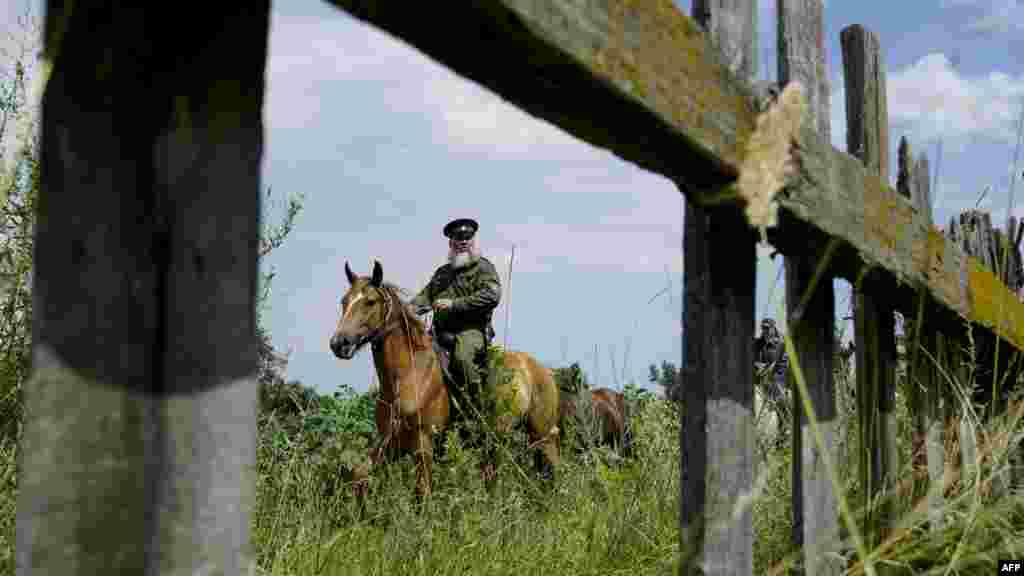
365,311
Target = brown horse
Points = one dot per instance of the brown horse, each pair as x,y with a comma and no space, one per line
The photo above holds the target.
413,402
608,408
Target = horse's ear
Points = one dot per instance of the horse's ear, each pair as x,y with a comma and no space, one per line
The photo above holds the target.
348,273
378,274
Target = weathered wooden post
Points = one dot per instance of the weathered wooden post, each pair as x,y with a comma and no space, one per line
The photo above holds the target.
960,359
140,416
867,138
802,57
717,438
810,302
925,382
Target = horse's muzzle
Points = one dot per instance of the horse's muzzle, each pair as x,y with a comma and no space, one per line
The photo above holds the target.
343,347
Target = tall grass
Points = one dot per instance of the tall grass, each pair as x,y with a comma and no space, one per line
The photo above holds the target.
596,518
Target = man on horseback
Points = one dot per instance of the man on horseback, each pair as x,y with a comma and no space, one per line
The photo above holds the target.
463,294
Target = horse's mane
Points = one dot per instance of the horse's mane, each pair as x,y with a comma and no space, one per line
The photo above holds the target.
416,326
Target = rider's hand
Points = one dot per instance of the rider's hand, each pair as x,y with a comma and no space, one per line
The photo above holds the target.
442,304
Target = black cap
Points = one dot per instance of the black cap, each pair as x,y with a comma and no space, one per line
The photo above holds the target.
461,228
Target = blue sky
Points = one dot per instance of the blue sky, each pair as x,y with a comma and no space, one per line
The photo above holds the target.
387,146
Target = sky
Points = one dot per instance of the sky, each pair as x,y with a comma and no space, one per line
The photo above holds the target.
387,146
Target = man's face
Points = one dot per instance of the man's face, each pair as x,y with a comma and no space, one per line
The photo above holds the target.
461,244
461,250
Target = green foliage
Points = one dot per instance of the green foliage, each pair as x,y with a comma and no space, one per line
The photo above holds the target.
636,396
571,378
291,399
19,189
668,377
272,365
346,412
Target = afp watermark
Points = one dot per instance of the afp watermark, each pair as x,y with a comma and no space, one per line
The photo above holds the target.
1011,567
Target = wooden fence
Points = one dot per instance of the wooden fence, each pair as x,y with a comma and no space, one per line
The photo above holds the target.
140,415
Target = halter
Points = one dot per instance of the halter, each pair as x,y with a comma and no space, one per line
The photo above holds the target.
375,336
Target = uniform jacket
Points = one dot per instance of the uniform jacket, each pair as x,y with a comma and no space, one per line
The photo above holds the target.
474,291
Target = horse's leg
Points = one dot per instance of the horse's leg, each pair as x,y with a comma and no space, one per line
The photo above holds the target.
361,479
424,463
551,458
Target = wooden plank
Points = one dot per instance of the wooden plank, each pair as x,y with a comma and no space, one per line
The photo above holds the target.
925,408
802,57
874,332
867,137
735,39
717,435
874,326
718,446
959,356
938,406
815,521
140,421
926,384
933,428
904,182
922,187
641,79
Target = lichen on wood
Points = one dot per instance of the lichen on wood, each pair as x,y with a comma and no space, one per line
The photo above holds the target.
767,161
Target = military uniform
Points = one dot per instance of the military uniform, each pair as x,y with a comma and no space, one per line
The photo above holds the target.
474,291
769,349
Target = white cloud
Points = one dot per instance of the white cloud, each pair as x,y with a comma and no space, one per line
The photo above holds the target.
929,99
994,16
473,120
314,59
934,99
309,54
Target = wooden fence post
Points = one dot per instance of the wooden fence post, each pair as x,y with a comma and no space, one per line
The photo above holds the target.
139,443
925,383
867,116
732,25
802,57
717,437
815,521
867,139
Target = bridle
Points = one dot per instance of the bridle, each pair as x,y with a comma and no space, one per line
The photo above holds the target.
375,336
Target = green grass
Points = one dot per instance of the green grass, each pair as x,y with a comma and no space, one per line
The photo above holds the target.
596,518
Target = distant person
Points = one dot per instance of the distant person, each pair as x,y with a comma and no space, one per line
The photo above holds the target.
463,294
770,353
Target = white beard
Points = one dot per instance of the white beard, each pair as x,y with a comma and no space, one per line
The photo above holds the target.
461,259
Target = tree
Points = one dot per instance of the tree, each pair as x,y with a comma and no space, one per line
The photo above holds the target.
669,378
19,186
272,364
